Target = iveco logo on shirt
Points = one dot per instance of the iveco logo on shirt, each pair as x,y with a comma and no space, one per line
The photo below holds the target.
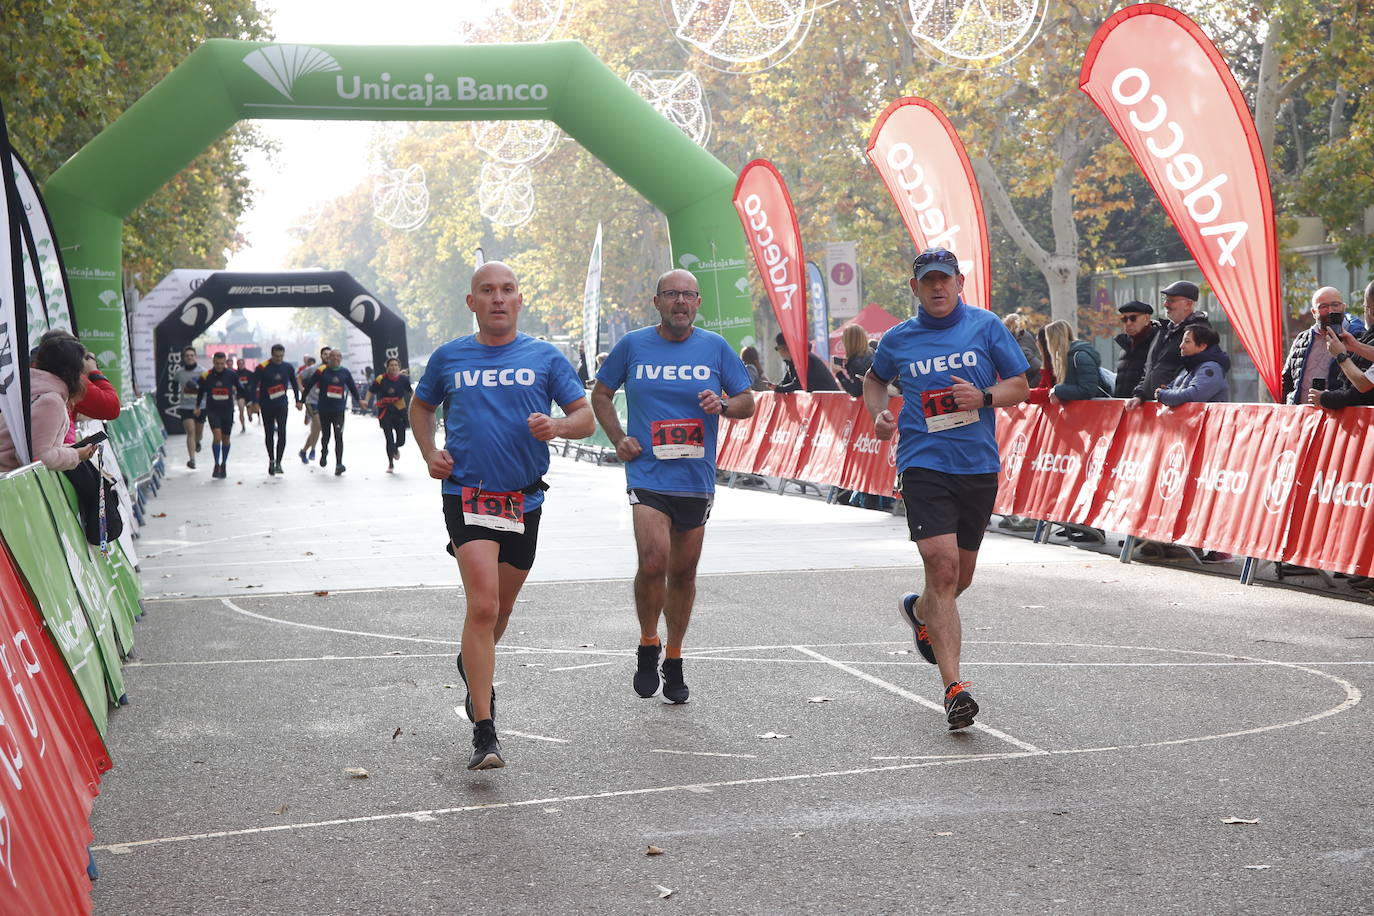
492,378
674,373
280,290
966,360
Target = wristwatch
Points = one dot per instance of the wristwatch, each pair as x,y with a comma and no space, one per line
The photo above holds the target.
1340,358
987,397
724,406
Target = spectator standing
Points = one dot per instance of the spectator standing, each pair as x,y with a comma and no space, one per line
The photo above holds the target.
1164,361
1077,365
818,377
1356,371
1016,325
857,360
752,365
1307,363
1138,329
55,383
1203,376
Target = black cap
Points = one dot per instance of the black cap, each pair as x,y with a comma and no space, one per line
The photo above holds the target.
1181,288
1137,307
779,341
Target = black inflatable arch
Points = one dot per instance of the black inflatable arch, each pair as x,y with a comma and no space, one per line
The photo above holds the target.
228,290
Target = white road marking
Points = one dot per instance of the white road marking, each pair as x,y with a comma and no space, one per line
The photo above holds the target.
916,698
662,750
580,667
505,732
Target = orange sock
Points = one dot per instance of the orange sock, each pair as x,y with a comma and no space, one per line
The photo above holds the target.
672,652
649,640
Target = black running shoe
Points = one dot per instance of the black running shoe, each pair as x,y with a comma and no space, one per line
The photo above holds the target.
191,464
271,469
960,707
324,455
486,750
339,469
467,702
646,671
907,608
674,687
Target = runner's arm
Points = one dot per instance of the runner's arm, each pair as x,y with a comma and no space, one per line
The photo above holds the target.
603,406
576,423
439,461
876,400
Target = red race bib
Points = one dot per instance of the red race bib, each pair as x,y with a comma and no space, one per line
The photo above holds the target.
942,412
672,439
498,511
276,391
219,394
334,391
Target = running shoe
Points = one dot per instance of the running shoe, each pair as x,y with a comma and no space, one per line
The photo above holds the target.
674,687
486,750
191,464
960,707
304,460
324,455
646,671
312,455
907,608
339,469
390,469
277,465
271,468
467,703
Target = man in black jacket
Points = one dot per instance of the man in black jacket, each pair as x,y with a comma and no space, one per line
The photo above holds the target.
1138,328
1352,357
1164,361
818,377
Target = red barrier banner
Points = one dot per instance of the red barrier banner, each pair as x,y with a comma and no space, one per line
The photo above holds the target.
1175,104
927,171
770,226
1146,473
1333,495
834,418
788,438
1060,477
1017,429
1241,484
47,775
870,465
736,440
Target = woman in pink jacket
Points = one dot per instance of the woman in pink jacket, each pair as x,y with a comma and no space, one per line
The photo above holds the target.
55,382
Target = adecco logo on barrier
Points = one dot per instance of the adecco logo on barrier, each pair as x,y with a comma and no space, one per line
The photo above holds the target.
892,449
1223,480
1278,482
1016,454
1328,490
1048,462
1173,471
1097,460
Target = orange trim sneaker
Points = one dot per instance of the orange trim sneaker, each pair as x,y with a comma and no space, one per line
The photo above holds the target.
960,707
907,608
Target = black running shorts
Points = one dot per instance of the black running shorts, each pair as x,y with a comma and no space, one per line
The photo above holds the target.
516,549
220,419
685,512
938,503
189,413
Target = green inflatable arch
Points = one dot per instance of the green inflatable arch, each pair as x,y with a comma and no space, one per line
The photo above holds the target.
225,81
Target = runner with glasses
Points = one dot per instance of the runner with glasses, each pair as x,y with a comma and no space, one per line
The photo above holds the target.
679,380
952,363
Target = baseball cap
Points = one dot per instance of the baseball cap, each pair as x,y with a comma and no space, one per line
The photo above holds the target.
940,259
1181,288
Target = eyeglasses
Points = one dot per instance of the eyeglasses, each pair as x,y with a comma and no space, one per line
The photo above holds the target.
1135,317
934,256
686,295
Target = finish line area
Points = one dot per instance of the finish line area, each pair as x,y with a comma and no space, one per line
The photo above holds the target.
1128,712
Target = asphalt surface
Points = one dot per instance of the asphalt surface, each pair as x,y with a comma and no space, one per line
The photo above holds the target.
1128,712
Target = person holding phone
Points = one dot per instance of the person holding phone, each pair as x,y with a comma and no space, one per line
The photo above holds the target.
1354,358
1306,362
55,382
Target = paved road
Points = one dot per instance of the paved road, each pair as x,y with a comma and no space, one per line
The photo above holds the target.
1129,711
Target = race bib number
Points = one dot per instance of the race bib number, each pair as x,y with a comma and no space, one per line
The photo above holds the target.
942,412
498,511
678,439
334,391
219,394
389,402
276,391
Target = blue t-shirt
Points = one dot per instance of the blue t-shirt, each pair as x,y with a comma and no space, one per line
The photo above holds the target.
923,354
663,381
488,394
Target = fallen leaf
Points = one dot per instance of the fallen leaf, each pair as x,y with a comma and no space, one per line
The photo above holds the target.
653,851
394,652
900,652
166,575
668,891
586,645
450,686
310,553
322,594
982,628
396,734
253,586
530,665
233,579
1032,607
1239,820
799,834
819,700
356,772
1258,867
281,809
159,515
946,833
767,735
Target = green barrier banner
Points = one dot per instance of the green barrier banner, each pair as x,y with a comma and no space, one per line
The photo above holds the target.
95,593
28,531
122,613
225,81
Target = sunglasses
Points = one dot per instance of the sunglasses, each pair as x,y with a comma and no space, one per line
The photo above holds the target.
934,256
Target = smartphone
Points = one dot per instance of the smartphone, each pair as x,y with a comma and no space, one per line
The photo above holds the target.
1333,319
91,440
1319,384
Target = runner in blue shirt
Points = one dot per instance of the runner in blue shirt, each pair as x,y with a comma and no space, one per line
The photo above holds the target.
952,364
390,393
219,388
334,383
673,375
271,381
496,387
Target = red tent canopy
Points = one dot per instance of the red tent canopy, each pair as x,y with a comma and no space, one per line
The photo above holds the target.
874,319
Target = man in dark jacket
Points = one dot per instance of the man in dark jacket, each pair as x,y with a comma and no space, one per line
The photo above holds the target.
1356,388
1164,361
1307,363
818,377
1138,329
